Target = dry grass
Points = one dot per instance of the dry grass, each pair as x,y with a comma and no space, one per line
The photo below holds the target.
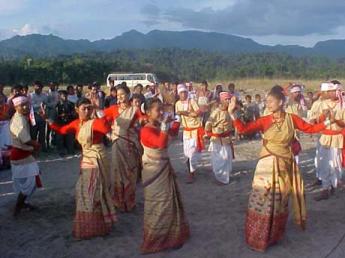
247,85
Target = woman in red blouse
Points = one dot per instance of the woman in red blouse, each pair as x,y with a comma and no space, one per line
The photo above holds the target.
277,175
126,149
165,225
95,211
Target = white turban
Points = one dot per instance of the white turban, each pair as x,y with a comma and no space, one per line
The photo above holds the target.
328,86
295,88
19,100
181,88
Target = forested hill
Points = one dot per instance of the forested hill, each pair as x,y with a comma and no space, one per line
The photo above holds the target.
169,64
37,45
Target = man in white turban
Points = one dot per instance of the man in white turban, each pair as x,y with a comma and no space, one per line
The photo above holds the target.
330,152
190,115
25,171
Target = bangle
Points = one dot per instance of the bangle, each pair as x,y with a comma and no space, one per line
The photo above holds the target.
233,117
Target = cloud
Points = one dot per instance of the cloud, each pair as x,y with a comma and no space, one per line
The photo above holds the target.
260,17
26,30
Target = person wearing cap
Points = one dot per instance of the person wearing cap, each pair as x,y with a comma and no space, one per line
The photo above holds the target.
193,132
25,170
218,127
15,92
330,166
296,104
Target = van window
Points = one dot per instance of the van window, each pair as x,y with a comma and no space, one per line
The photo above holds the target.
139,77
150,78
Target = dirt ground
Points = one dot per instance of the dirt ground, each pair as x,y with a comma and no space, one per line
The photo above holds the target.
216,215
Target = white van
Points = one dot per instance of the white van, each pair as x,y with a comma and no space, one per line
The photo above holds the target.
132,79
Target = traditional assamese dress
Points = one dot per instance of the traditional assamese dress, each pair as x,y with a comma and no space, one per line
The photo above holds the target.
25,170
218,128
276,178
95,210
165,225
193,132
126,155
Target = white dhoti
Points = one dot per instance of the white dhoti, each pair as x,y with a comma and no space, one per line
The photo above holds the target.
5,137
330,168
221,159
24,177
191,153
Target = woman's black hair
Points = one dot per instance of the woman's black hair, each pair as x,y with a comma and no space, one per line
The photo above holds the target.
149,103
63,92
135,96
69,87
278,93
38,83
17,87
83,101
123,87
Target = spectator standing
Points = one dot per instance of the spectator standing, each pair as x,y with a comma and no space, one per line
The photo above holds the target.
38,99
65,114
112,98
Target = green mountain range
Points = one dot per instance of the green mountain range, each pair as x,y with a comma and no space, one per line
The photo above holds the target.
37,45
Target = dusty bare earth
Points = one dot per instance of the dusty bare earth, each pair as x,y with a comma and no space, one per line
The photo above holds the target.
216,215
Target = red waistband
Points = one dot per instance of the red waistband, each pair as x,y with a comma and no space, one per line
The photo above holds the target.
18,154
219,135
191,129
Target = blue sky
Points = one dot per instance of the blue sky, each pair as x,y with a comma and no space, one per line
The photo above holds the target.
272,22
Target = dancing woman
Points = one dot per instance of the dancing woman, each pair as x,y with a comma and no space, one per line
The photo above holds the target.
95,211
165,225
126,150
277,177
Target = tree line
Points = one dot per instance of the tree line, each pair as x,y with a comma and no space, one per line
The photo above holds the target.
168,65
